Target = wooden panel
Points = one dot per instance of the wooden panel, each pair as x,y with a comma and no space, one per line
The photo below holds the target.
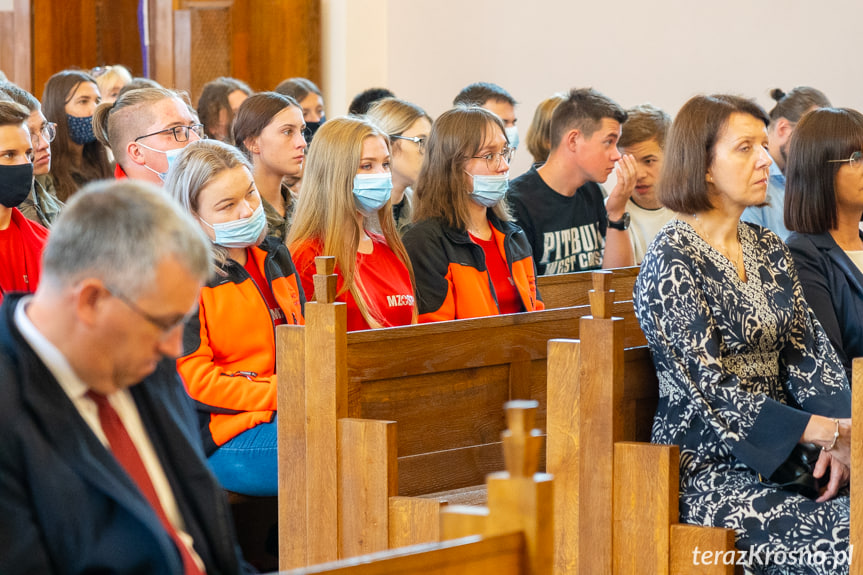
687,538
22,71
118,41
183,40
564,449
458,521
65,33
413,520
211,29
162,41
367,480
8,41
451,469
565,290
276,39
326,403
290,365
500,555
857,463
641,394
645,505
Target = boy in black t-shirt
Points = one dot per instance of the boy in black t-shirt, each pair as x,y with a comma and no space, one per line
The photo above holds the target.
560,206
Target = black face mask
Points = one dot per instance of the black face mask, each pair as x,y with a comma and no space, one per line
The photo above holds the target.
15,184
311,128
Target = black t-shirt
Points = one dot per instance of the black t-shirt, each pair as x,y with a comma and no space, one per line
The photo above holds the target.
567,234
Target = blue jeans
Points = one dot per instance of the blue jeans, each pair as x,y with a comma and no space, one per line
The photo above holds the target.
248,463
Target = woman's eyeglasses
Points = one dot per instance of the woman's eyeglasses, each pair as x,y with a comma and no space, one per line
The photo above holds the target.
494,159
418,140
47,131
855,160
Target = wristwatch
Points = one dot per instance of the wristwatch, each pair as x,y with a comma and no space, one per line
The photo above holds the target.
622,224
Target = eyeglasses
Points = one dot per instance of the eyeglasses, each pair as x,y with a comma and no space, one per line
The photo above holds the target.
855,160
47,131
99,70
418,140
164,325
493,159
181,133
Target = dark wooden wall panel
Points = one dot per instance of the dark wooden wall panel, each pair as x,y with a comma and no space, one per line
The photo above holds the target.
276,39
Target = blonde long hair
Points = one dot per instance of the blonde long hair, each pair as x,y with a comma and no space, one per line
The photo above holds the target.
326,212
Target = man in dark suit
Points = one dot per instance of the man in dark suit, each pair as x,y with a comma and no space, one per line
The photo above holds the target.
101,467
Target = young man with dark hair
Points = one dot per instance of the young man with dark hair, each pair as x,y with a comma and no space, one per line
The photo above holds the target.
560,204
494,99
643,137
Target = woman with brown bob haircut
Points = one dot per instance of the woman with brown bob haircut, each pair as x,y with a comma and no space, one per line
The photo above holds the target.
748,379
823,207
469,259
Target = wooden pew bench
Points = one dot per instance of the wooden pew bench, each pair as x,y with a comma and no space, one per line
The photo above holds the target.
514,536
566,290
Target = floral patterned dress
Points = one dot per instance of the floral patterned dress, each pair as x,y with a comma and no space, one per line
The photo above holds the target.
741,365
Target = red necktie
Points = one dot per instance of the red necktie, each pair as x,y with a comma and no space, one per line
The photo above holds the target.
126,453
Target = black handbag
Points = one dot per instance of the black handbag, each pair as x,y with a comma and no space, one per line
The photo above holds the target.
795,473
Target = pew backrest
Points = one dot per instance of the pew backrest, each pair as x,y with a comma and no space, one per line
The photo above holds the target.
565,290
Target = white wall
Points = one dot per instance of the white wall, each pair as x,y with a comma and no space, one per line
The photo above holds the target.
662,51
7,5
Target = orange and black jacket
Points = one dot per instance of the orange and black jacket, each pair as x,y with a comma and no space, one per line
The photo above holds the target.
452,281
229,345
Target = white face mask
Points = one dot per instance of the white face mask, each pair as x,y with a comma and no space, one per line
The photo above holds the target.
512,136
171,156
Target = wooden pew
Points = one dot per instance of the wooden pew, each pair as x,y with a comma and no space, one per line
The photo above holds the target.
513,536
616,500
565,290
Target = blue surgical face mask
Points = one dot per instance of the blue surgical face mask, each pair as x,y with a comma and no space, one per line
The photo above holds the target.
489,190
372,192
81,129
512,136
171,155
241,233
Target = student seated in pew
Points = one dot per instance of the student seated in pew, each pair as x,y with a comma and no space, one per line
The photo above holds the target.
218,104
559,205
21,240
42,205
309,96
408,127
470,259
110,80
746,372
345,211
538,138
642,136
823,207
269,129
494,99
146,129
229,349
361,103
69,101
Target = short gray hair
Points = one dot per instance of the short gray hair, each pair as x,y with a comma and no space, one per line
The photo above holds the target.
119,231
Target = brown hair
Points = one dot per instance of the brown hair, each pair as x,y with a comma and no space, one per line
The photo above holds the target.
822,135
583,110
643,123
690,149
94,162
214,99
479,93
797,102
255,114
443,188
298,88
12,114
539,133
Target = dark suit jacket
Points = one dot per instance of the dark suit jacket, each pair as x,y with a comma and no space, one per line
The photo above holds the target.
67,506
834,289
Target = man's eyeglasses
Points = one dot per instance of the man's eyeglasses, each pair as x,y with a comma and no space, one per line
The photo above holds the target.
494,159
181,133
855,160
47,131
164,325
418,140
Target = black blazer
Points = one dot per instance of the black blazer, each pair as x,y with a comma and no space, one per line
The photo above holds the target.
67,506
834,289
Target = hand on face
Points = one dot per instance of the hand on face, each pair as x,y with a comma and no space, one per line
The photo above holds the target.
627,175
